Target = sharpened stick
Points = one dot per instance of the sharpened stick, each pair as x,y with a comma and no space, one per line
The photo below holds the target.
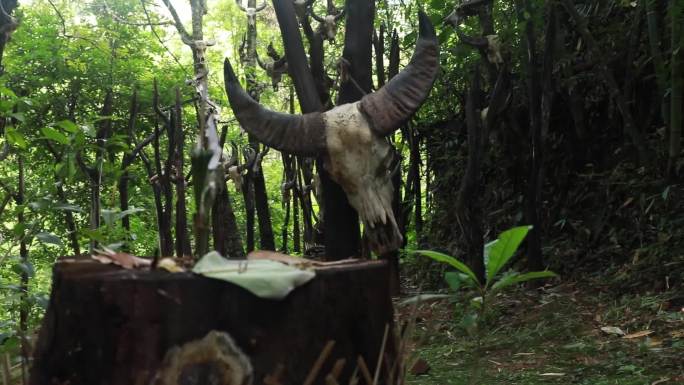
327,349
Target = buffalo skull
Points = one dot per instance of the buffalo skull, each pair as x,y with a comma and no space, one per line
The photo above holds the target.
352,137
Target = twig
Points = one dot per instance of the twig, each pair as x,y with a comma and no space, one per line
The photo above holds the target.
128,22
185,36
364,370
382,354
154,32
327,349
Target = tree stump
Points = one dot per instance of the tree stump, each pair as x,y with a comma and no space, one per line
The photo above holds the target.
106,325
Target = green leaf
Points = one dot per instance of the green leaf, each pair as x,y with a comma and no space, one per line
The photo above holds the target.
128,212
264,278
4,91
54,135
453,279
24,267
498,253
18,116
513,278
15,138
109,216
67,125
94,234
49,238
439,257
68,207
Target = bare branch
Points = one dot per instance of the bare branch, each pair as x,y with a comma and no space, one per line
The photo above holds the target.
122,20
185,36
154,32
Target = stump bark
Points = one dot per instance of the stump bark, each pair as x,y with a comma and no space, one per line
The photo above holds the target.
106,325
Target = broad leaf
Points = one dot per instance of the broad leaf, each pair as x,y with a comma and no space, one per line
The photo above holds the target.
501,251
16,138
109,216
453,279
440,257
54,135
68,207
513,278
19,116
128,212
24,267
49,238
67,125
264,278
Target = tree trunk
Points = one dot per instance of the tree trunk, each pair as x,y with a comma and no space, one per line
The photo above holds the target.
103,133
227,240
677,81
342,238
628,119
654,38
266,237
255,176
112,326
468,205
24,285
7,26
161,185
182,235
125,162
341,222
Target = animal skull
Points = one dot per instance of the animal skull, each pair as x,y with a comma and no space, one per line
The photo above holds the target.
328,26
494,49
351,137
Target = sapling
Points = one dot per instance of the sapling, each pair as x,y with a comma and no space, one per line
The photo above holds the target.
497,254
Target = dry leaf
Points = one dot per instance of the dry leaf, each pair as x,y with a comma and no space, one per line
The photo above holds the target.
613,330
660,381
420,367
642,333
292,260
676,334
125,260
170,265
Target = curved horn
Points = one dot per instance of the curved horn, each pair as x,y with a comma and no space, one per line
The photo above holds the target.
295,134
261,7
393,104
315,16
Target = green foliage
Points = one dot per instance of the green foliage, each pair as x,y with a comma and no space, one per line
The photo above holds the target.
496,255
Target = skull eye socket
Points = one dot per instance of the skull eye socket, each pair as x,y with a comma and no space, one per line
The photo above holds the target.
389,165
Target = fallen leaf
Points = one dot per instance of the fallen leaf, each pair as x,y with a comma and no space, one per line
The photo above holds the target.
420,367
170,265
660,381
653,342
642,333
613,330
676,334
125,260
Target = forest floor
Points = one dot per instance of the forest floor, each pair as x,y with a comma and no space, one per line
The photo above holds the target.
554,336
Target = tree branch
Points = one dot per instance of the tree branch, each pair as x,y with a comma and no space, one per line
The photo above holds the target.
185,36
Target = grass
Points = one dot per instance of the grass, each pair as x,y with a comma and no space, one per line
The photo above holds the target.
555,337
